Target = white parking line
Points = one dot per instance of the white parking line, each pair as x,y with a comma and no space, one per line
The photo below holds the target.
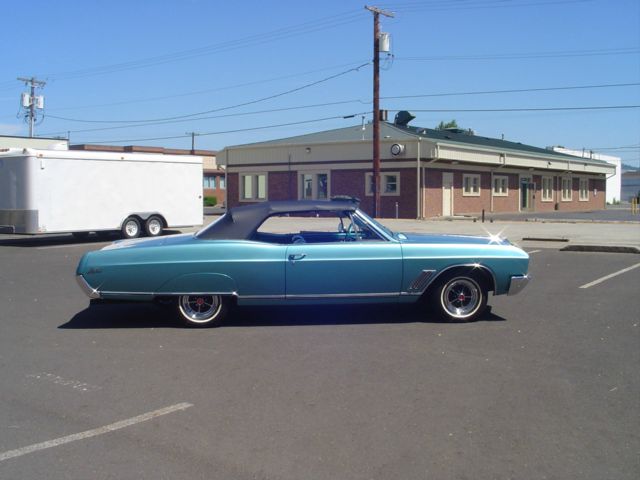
615,274
92,433
534,251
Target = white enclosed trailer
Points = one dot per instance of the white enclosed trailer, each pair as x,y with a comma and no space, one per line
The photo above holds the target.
55,191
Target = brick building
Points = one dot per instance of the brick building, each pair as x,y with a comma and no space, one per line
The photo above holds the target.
424,172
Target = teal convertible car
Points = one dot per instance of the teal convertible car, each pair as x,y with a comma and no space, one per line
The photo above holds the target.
304,252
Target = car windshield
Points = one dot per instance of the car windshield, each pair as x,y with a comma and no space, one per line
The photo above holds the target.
377,224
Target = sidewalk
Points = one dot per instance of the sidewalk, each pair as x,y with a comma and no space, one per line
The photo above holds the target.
532,234
550,233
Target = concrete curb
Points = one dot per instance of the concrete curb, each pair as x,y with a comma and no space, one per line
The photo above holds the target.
544,239
599,248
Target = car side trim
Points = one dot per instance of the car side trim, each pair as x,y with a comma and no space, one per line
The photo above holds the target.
419,285
343,295
464,265
88,290
517,283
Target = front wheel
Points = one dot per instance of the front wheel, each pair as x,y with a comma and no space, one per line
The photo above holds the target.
203,310
460,298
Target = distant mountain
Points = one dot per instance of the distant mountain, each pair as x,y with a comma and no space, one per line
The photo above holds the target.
625,167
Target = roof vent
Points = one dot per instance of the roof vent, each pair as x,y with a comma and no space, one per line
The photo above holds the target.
402,118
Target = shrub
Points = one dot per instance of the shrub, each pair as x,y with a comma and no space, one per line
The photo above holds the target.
210,201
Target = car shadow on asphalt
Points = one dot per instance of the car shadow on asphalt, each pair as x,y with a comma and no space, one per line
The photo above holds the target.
65,239
142,316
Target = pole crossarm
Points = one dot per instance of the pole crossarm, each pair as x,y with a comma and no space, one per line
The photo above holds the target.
386,13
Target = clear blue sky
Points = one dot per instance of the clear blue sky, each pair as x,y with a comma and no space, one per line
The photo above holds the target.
124,61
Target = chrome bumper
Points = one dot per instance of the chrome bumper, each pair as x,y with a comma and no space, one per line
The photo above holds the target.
86,288
518,282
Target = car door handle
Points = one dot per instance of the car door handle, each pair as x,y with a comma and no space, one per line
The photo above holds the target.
296,256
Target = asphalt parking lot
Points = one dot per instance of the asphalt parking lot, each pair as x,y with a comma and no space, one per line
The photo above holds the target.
545,386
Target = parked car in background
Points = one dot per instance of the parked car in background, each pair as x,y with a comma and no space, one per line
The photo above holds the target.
300,253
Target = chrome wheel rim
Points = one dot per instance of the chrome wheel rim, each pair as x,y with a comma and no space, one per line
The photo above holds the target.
461,297
131,228
200,308
154,227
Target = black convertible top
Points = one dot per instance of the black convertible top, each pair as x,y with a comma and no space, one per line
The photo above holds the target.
240,223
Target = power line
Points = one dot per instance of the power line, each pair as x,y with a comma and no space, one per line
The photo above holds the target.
543,109
272,110
208,90
244,104
527,55
410,7
261,38
519,90
262,127
481,92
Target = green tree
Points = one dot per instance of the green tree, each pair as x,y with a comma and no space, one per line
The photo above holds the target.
444,126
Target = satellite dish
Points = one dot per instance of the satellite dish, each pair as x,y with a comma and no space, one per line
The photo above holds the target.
397,149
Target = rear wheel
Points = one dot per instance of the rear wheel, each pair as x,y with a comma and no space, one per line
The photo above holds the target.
153,226
131,228
203,310
460,297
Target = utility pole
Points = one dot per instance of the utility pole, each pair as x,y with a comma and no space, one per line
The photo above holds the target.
33,101
376,105
193,141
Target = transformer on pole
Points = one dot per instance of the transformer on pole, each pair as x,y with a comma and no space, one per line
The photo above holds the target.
32,102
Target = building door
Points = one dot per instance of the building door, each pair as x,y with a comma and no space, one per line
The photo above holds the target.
447,194
527,194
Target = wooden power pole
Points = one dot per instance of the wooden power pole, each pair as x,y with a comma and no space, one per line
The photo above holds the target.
376,106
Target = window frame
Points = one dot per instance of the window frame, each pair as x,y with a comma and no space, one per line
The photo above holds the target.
209,182
471,177
315,174
583,198
563,197
543,197
504,179
255,187
368,178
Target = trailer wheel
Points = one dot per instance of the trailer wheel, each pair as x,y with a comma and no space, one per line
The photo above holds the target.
153,226
131,228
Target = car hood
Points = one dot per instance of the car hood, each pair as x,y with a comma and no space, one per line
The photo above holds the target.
451,239
152,242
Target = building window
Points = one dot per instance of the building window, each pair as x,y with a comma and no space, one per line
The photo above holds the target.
389,184
209,181
470,185
566,189
584,190
254,187
500,186
547,189
222,183
314,186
